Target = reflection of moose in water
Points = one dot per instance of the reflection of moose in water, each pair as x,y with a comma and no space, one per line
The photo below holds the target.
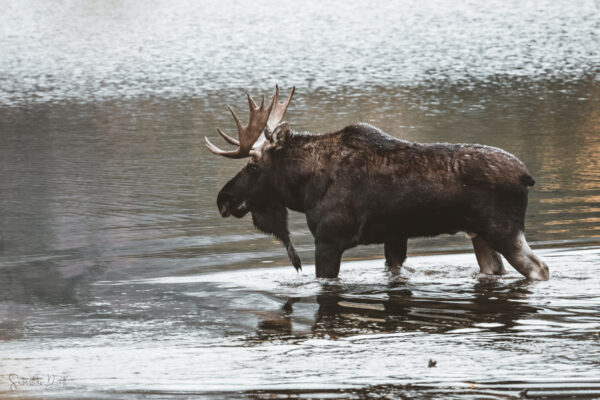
343,311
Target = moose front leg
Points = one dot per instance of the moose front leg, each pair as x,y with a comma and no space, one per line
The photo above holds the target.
395,252
272,219
327,260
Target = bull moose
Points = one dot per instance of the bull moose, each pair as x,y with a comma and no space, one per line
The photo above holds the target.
360,185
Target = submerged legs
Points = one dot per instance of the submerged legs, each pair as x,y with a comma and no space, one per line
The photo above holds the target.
395,252
517,252
327,260
488,259
519,255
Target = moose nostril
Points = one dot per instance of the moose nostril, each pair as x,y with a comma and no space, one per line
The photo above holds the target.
224,209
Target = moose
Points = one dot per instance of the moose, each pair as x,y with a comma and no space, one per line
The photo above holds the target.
360,186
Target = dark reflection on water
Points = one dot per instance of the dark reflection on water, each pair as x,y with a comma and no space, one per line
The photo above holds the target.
492,305
340,315
402,312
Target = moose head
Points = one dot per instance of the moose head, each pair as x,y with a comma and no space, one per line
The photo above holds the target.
250,190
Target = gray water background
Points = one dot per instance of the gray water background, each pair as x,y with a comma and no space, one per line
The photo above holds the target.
107,193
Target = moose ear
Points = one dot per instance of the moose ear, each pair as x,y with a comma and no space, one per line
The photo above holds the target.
281,133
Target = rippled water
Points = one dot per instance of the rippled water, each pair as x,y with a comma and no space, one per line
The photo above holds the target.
117,271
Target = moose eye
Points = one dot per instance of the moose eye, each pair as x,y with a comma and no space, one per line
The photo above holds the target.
252,168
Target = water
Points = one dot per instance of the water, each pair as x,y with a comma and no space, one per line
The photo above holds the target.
117,272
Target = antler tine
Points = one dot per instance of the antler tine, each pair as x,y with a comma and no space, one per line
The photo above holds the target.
251,102
289,99
214,149
279,109
228,138
235,117
271,103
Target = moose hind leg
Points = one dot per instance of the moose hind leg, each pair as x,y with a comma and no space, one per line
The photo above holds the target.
395,252
518,253
327,260
490,261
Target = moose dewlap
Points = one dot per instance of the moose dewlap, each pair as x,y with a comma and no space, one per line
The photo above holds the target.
362,186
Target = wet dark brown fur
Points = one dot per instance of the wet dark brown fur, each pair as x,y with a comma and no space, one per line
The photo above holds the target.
361,186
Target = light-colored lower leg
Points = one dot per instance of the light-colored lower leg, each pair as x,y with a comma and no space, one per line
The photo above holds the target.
522,258
490,262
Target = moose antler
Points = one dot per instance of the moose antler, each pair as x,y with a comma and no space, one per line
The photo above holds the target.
249,134
279,109
260,118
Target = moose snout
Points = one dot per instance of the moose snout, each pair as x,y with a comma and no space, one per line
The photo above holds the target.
231,205
223,203
224,210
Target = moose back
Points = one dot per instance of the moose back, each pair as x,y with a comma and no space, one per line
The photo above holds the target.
362,186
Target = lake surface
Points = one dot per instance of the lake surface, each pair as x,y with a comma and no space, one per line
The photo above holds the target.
119,279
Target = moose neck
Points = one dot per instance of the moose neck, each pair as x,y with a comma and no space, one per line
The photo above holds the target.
294,166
